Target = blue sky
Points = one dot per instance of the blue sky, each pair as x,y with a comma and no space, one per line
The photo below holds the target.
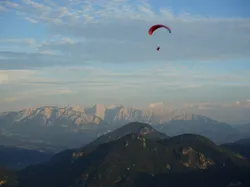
213,8
95,51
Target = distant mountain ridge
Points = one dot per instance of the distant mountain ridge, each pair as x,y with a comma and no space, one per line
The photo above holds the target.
67,127
49,115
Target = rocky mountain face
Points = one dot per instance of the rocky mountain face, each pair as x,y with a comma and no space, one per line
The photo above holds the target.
48,116
77,116
132,128
49,127
8,177
136,160
67,127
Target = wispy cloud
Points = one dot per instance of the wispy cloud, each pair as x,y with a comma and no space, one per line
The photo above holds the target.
31,20
218,106
21,41
3,77
10,4
240,104
8,99
3,9
15,75
202,106
82,78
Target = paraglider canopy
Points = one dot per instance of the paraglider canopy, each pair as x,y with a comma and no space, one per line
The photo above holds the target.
154,28
157,26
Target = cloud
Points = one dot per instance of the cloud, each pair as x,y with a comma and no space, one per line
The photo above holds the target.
6,4
27,41
31,20
3,78
20,60
157,104
9,100
42,93
232,105
23,85
201,106
79,80
90,77
215,106
229,111
49,91
37,6
3,9
10,4
15,75
237,104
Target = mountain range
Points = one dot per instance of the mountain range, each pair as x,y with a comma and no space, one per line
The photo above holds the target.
137,155
58,128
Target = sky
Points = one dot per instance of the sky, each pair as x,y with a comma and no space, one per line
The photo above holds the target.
94,51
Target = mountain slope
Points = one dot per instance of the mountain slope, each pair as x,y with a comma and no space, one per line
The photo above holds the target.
132,128
137,128
17,158
241,146
133,159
